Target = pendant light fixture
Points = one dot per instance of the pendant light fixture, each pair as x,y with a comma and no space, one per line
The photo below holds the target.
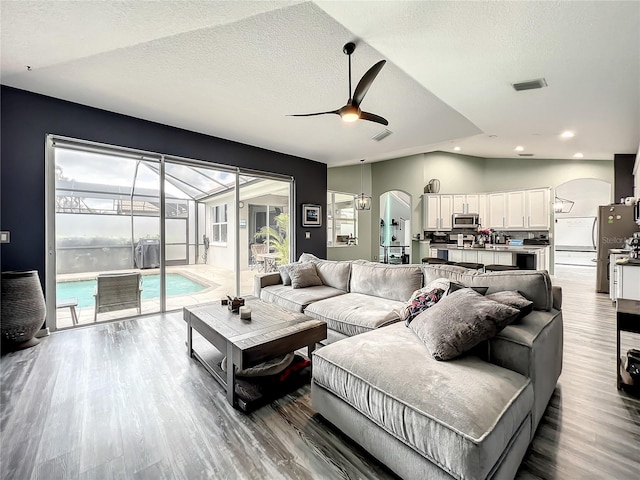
362,201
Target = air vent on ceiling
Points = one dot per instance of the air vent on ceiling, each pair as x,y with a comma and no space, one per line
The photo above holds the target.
526,154
382,135
530,85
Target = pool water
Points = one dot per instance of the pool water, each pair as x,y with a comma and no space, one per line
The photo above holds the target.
83,290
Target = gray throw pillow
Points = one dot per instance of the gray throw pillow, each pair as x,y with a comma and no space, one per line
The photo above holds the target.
284,272
304,275
514,299
459,322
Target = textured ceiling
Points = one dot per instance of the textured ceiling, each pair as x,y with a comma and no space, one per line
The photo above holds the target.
236,69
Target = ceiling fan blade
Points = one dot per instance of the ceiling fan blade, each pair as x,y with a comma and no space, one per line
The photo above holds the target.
372,117
365,82
312,114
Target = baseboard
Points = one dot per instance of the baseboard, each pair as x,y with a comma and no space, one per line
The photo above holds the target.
44,332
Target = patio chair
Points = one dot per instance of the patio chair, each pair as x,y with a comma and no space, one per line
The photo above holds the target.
257,252
117,291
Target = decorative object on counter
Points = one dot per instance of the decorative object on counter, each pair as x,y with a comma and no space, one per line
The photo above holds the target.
22,309
484,235
362,201
234,303
634,246
245,313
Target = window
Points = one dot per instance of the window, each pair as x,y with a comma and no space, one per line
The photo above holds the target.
341,220
219,224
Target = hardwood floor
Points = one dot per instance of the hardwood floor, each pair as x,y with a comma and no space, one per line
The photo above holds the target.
123,401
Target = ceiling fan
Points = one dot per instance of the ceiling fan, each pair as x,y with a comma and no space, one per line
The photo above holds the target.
351,111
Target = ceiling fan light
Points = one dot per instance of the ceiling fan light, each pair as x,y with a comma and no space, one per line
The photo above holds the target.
362,202
350,117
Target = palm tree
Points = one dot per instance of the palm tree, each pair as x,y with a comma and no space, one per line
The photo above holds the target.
277,237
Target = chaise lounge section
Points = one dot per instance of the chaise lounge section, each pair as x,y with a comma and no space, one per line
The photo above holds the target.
472,417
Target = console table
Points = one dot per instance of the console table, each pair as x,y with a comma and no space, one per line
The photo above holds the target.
627,320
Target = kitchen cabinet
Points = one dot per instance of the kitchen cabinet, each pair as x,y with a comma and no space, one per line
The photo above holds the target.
515,207
486,257
542,259
482,210
437,211
466,203
455,256
512,210
629,281
496,210
503,258
537,208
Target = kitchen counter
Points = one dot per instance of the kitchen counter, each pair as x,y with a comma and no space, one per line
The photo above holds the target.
527,257
503,248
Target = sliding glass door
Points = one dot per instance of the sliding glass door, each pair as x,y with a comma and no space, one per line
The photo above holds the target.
136,232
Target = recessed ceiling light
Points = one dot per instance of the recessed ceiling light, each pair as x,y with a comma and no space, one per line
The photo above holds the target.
567,134
457,149
519,148
578,155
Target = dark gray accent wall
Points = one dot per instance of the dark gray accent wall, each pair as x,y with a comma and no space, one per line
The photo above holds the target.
623,171
26,120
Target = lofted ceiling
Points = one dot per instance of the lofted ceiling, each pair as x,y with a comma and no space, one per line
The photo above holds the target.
236,69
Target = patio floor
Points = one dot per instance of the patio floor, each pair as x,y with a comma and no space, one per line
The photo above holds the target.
219,283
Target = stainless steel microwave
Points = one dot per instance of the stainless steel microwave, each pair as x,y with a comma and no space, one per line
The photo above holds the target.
465,220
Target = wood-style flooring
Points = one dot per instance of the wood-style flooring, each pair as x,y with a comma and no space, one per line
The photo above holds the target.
123,401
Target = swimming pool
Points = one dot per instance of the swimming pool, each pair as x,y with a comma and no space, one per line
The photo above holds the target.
83,290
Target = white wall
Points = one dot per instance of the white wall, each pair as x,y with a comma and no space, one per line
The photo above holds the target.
508,174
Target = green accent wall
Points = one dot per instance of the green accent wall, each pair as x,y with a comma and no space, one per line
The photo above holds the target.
457,174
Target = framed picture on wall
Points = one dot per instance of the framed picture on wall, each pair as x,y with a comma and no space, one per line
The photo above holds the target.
311,215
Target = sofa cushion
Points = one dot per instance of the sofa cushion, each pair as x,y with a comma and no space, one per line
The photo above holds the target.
332,273
533,284
284,272
459,322
515,300
304,275
296,299
395,282
354,313
460,415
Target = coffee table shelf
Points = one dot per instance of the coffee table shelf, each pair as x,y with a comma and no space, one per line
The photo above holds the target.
271,332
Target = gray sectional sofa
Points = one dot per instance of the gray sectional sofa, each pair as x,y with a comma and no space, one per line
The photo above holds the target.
468,418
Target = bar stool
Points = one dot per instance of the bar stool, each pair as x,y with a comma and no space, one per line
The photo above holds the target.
500,268
470,265
435,261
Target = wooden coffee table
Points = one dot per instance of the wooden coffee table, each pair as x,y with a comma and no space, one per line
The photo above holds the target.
271,332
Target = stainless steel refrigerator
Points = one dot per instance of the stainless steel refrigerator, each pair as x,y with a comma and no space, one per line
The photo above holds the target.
616,223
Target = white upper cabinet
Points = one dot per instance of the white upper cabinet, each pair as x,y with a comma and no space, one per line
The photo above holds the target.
513,210
538,208
515,218
473,203
437,211
459,204
482,210
466,203
496,210
446,212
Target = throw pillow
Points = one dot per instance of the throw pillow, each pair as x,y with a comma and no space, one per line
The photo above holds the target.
284,273
458,286
514,299
304,275
420,300
459,322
